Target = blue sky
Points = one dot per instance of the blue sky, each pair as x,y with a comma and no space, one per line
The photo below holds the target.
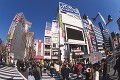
40,11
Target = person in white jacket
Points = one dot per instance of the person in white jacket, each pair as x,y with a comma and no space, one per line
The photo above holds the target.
96,74
30,76
57,68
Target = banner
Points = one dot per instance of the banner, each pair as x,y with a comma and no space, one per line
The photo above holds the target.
60,21
39,47
55,26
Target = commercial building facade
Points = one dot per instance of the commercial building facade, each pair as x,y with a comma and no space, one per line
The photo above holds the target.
47,41
15,45
99,39
106,37
71,33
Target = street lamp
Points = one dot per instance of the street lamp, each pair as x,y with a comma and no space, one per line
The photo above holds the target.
106,24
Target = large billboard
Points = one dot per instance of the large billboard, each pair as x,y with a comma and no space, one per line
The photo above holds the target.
48,29
74,34
55,26
69,9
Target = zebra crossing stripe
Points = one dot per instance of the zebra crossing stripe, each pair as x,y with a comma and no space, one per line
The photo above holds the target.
10,72
8,68
2,79
4,73
3,76
18,78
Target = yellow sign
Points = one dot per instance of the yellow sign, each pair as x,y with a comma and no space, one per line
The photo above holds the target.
60,20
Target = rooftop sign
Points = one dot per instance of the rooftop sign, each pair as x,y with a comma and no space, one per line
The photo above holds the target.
67,8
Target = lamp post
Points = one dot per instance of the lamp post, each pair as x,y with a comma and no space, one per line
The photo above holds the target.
106,24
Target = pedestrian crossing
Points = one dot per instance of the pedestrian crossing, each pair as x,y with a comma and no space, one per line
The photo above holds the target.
7,73
45,76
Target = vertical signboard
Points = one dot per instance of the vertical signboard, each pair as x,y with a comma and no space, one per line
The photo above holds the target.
55,26
39,47
48,29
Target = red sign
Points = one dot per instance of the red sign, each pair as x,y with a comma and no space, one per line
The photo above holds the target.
39,47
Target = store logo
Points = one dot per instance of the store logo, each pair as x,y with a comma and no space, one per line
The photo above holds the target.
66,8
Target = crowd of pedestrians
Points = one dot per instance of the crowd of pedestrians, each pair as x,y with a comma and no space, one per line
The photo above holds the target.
84,70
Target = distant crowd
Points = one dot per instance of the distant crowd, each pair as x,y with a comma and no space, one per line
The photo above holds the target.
83,70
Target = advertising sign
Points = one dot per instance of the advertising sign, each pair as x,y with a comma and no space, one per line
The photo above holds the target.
55,26
60,20
67,8
39,47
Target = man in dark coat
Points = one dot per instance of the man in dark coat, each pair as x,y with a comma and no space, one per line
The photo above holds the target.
104,69
18,64
36,74
65,72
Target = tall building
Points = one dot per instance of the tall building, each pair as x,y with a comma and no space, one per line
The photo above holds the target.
15,39
47,41
99,39
71,33
90,35
106,37
55,40
116,39
94,40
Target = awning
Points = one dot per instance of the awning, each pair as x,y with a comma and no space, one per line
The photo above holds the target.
38,57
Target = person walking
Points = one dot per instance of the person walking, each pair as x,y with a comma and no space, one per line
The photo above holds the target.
36,74
79,69
118,66
104,69
18,64
57,67
65,72
30,76
96,74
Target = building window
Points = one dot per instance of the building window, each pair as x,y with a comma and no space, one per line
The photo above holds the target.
55,38
55,45
55,54
47,46
47,39
47,53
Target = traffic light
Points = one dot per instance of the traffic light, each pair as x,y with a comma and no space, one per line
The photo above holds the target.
85,17
109,18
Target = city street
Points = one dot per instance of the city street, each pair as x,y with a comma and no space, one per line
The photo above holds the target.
59,40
